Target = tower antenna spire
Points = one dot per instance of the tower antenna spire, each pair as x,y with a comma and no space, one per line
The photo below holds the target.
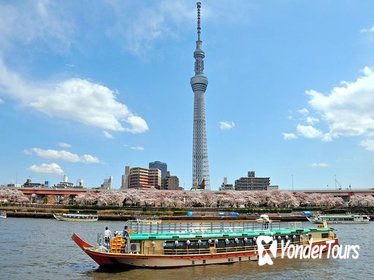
198,4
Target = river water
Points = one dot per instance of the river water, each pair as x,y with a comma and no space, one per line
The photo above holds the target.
43,249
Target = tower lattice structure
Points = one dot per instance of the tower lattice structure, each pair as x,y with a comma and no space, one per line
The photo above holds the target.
199,83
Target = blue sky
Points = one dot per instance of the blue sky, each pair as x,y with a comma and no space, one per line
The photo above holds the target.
87,87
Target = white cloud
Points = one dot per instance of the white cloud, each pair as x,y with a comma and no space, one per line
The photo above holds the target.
347,109
223,125
145,25
137,148
137,25
107,135
289,136
368,144
367,30
77,100
44,22
303,111
311,120
89,159
64,145
308,131
62,156
138,125
51,168
320,164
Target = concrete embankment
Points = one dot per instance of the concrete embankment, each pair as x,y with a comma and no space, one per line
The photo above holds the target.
114,217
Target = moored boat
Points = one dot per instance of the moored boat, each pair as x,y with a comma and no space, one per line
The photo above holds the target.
76,217
263,219
340,219
177,244
3,215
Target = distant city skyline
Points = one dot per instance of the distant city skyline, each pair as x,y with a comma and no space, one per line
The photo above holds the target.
88,88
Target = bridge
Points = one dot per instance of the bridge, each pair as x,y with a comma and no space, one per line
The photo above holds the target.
340,192
55,195
345,194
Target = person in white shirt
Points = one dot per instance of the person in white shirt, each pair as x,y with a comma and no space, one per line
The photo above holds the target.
107,235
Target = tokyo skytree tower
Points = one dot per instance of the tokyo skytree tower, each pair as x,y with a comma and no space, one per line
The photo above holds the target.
199,83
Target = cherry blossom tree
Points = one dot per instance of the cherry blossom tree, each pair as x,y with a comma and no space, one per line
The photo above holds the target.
112,198
87,198
361,200
226,199
14,196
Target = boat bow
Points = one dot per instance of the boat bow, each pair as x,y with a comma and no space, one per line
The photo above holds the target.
80,242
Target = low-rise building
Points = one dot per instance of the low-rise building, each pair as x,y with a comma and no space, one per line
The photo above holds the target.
225,186
252,183
170,182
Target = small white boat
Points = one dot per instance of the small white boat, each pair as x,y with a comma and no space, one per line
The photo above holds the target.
340,219
3,214
76,217
263,219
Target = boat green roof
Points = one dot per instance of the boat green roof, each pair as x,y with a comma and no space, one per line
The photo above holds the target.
221,234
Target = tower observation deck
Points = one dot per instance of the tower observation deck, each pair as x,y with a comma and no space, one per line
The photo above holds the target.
199,83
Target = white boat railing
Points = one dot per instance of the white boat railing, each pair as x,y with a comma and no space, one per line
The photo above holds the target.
196,227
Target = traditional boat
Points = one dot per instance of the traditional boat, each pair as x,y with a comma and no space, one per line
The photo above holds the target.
190,244
340,219
263,219
76,217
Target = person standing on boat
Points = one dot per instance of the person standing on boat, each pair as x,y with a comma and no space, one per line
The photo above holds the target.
126,236
107,236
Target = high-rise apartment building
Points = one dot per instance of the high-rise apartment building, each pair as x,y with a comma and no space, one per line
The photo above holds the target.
154,178
142,178
125,178
159,165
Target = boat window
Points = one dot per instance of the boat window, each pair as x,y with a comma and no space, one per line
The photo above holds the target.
221,243
324,235
181,245
296,238
249,242
195,244
169,245
240,242
230,243
204,244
